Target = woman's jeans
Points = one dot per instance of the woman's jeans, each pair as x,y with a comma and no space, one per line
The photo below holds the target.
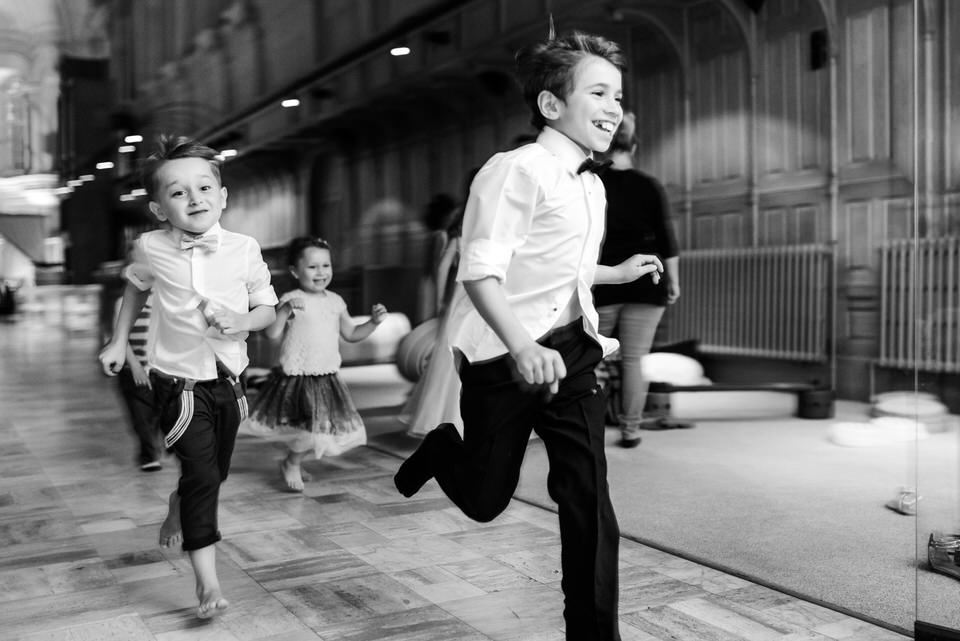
635,324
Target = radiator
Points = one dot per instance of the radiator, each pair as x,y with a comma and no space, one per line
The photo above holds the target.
770,302
920,304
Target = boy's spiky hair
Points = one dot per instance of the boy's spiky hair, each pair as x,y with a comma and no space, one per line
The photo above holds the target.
170,147
549,65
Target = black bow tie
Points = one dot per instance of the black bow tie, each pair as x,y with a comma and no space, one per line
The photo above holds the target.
596,166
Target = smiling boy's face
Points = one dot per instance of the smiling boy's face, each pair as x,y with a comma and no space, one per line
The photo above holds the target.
188,195
591,113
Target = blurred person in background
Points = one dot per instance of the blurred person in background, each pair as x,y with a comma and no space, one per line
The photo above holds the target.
637,222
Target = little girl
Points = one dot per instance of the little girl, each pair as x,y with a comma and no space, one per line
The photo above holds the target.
304,392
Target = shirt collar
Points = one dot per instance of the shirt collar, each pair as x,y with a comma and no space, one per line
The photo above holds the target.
213,231
567,152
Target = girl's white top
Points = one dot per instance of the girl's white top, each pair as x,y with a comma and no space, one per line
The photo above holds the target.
311,342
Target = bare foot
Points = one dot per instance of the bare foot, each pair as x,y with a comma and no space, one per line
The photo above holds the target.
170,533
291,475
212,603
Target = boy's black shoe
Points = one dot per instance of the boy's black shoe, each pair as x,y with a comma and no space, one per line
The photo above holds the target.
418,468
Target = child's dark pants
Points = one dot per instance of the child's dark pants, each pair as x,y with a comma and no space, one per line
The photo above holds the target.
203,416
480,473
143,418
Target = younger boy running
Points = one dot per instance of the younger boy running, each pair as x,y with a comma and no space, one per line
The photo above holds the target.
210,288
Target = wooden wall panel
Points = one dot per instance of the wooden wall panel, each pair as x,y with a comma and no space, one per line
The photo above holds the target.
861,234
793,107
794,224
903,87
271,211
866,55
725,228
950,124
719,113
660,121
867,223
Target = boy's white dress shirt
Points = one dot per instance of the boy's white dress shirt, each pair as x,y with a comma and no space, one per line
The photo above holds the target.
536,225
234,277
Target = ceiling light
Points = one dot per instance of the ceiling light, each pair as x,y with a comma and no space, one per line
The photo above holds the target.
400,51
228,153
105,165
133,138
290,102
138,192
86,177
74,183
126,149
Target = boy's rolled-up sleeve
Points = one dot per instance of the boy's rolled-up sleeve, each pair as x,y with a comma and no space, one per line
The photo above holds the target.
138,271
259,289
497,216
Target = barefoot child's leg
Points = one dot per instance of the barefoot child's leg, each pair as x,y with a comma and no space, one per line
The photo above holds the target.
211,599
292,473
170,532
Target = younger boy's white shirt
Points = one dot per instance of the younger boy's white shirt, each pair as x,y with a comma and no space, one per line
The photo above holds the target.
536,225
233,277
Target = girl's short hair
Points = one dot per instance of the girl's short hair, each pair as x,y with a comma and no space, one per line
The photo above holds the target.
170,147
300,244
549,65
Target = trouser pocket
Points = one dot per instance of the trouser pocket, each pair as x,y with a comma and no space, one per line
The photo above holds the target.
174,397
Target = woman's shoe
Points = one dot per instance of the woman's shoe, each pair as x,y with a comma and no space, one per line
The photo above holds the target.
943,553
905,502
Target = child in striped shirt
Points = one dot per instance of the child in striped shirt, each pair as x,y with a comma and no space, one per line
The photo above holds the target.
137,392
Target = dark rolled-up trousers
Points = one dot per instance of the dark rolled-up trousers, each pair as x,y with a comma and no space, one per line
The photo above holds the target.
200,420
480,472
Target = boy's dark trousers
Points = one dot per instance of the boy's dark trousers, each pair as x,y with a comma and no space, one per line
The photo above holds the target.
211,412
480,473
143,418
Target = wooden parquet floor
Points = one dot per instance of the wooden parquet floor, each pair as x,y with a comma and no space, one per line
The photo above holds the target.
347,560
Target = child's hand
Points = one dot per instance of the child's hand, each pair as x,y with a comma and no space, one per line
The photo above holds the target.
140,376
227,321
538,366
639,265
112,357
294,304
378,313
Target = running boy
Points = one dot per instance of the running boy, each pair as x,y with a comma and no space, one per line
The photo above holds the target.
211,287
525,330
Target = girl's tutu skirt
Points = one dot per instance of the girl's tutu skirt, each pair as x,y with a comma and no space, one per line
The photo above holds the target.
317,410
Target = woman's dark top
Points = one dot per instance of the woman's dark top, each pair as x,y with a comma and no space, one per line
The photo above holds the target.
637,223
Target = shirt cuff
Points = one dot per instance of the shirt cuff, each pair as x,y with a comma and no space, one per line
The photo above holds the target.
483,258
265,296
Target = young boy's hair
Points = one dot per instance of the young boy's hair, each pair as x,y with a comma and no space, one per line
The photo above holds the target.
548,66
626,136
300,244
169,147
